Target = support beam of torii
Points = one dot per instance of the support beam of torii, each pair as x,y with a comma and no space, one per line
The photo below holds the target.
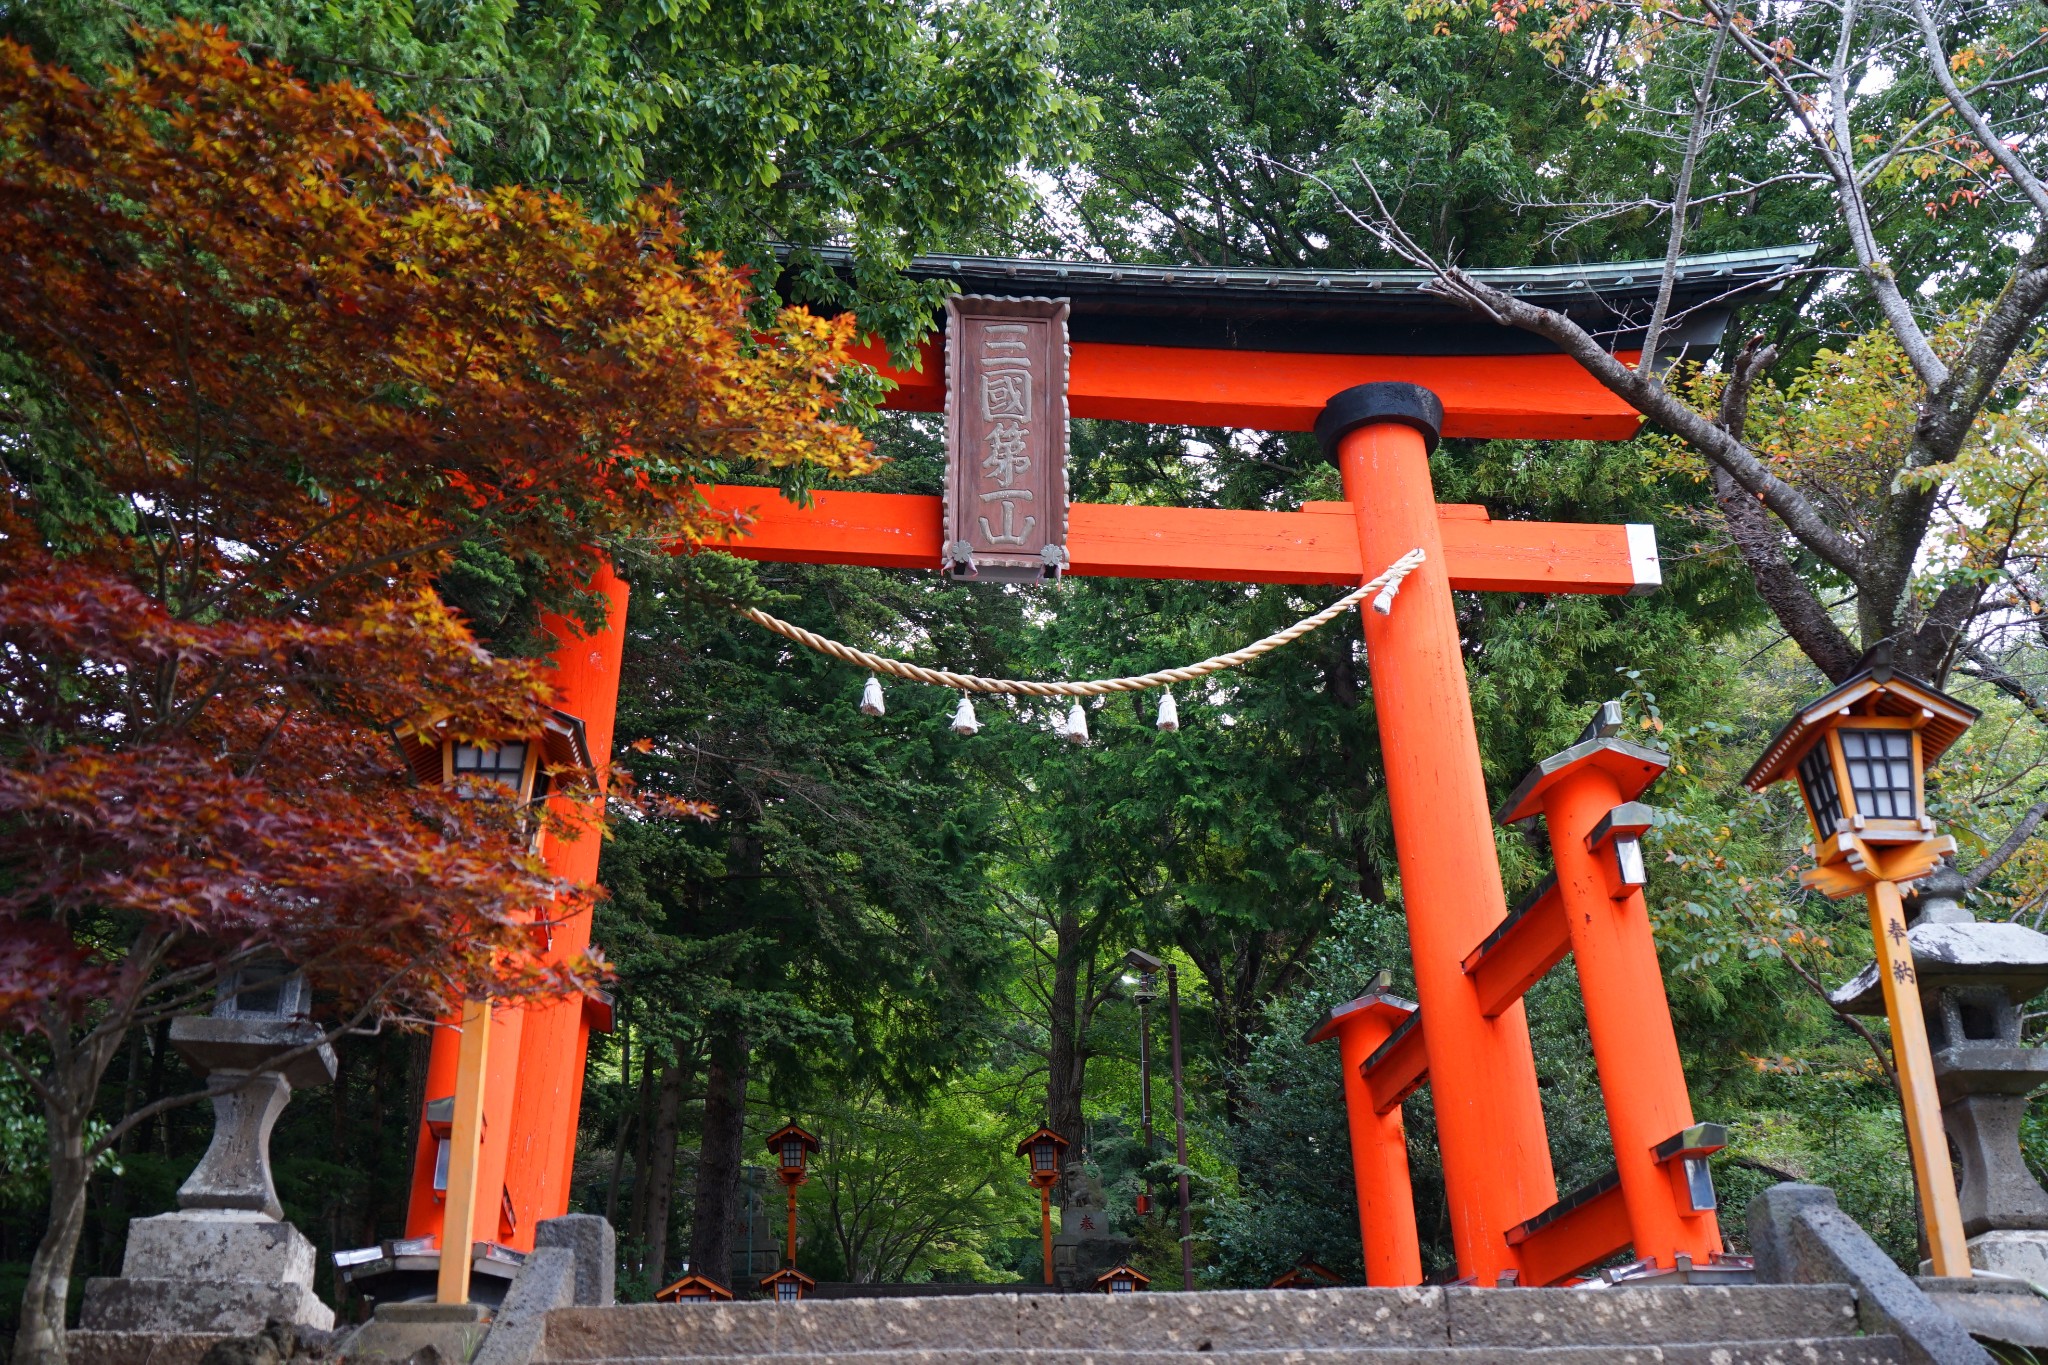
1379,369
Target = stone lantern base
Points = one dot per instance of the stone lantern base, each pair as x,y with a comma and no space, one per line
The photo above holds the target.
208,1270
2020,1254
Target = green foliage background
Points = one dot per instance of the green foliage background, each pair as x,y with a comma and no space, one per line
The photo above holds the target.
883,907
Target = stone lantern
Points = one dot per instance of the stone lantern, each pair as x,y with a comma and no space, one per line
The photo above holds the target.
1973,979
227,1261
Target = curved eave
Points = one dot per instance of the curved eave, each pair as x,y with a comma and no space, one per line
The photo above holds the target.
1895,694
1364,312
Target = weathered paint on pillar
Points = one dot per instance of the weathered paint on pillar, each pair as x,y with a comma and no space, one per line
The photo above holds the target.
1496,1158
1379,1142
1628,1016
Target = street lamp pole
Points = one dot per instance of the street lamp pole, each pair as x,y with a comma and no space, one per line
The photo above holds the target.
1145,1076
1180,1129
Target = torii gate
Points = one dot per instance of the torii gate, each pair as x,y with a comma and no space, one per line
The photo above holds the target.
1379,370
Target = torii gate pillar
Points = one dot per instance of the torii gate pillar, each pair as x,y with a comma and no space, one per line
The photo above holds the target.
1496,1157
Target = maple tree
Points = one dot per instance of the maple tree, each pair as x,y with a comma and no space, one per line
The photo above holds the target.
265,366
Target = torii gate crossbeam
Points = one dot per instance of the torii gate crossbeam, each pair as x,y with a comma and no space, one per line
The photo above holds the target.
1286,352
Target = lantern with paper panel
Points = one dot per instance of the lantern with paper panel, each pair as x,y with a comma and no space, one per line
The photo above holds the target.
1860,755
518,770
1046,1151
792,1147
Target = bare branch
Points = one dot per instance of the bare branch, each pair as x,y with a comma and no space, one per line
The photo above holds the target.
1834,154
1681,190
2014,841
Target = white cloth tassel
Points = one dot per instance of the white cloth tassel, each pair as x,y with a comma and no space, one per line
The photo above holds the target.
964,721
1383,600
1076,729
871,697
1169,714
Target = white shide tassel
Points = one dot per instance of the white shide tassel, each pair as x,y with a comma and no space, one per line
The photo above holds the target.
1169,714
871,697
964,721
1076,729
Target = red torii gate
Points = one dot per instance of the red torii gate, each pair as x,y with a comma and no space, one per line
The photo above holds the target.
1379,369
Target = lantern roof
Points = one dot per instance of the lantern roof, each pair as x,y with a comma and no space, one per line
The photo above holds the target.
693,1286
563,744
1376,1000
790,1130
787,1274
1356,312
1875,689
1122,1272
1024,1147
1308,1274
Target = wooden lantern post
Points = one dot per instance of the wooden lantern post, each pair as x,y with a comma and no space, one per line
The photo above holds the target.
1046,1151
791,1147
1860,755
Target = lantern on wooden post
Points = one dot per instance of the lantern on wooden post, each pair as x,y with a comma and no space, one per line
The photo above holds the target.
1046,1151
515,770
791,1147
788,1285
1860,755
1120,1280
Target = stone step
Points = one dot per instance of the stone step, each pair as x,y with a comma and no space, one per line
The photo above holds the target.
1878,1350
1227,1322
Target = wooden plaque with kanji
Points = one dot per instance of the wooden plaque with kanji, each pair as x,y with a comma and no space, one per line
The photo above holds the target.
1006,438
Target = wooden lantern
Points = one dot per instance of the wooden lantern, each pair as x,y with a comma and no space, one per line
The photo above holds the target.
791,1147
788,1285
1046,1151
1120,1280
1860,755
694,1289
515,769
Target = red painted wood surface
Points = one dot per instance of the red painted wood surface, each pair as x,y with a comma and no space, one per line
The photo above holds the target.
1628,1018
1533,397
1398,1072
1586,1236
1379,1148
1318,544
1537,940
1482,1074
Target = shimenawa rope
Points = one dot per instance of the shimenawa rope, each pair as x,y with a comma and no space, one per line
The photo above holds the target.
1386,585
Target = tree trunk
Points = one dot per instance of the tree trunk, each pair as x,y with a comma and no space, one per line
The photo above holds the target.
718,1158
611,1189
1067,1057
40,1339
661,1167
636,1219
